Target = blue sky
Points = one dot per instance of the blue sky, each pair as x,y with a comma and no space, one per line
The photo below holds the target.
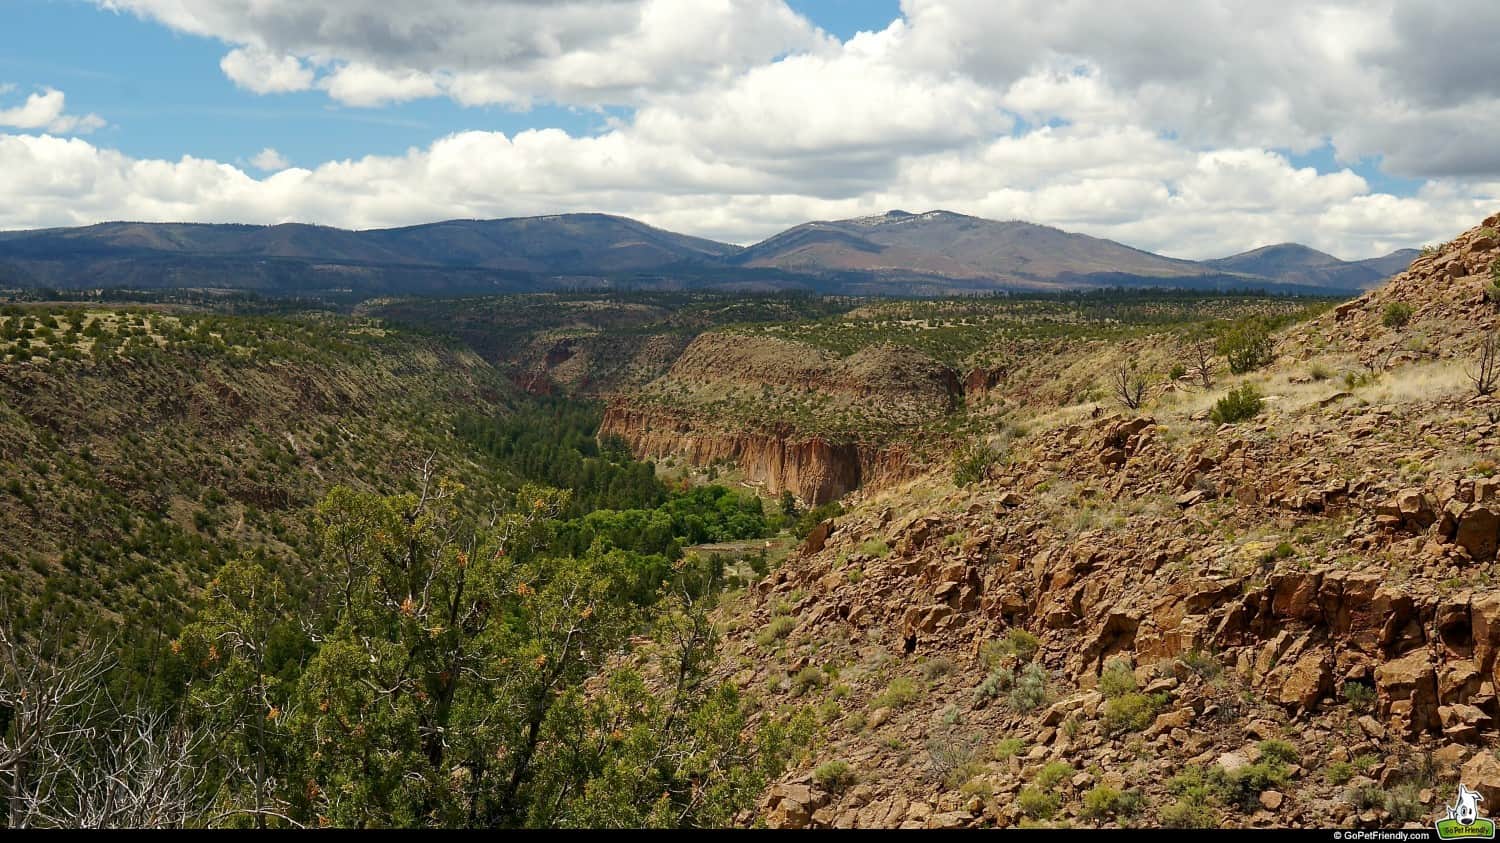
1191,130
164,97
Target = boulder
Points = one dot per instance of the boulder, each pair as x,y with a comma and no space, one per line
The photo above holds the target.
1482,774
1407,689
1308,681
1415,508
818,537
1478,530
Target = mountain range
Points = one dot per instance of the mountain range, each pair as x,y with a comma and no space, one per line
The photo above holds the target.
897,253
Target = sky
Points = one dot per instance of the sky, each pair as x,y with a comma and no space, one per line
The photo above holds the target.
1191,129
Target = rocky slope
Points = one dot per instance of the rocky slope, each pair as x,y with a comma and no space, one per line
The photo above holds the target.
1146,618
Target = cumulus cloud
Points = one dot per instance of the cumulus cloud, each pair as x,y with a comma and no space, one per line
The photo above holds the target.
479,52
268,160
264,72
1374,77
46,110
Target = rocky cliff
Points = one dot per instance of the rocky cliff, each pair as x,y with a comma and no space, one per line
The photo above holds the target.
813,468
788,415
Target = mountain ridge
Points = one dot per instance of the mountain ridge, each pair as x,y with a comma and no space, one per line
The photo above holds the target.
896,253
1294,261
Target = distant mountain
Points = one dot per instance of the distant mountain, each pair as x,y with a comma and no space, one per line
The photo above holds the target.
897,253
967,250
1298,264
457,255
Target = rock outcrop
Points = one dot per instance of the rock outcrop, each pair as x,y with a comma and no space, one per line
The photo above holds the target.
813,468
788,415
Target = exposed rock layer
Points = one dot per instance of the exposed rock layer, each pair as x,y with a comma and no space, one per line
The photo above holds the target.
811,467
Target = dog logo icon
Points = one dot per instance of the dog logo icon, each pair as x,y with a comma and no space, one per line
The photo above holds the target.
1463,821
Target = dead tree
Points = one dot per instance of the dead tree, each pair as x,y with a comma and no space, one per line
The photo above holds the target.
1129,388
71,758
1485,376
1201,360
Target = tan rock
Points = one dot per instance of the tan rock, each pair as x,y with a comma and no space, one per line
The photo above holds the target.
1482,774
1478,532
1309,681
1408,692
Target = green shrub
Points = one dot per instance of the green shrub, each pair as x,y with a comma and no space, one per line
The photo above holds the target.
1243,786
1030,690
999,681
976,786
936,668
1131,712
1366,762
1017,643
1237,405
1359,695
954,757
1246,345
833,776
1366,796
1277,752
1103,802
1053,774
1404,803
807,679
813,517
972,462
1117,679
1038,803
1339,772
1189,813
1195,797
1201,663
779,628
1396,315
901,692
1007,748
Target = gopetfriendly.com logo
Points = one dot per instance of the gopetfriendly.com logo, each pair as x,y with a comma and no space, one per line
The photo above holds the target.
1463,821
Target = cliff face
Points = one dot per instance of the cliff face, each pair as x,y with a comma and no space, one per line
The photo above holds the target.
813,468
791,416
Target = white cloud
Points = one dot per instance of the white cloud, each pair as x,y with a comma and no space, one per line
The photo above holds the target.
512,52
270,161
369,86
264,72
46,110
1377,77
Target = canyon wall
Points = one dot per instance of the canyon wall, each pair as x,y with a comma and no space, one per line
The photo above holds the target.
813,468
790,415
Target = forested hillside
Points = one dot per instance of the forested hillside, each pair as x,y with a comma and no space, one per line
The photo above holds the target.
310,570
